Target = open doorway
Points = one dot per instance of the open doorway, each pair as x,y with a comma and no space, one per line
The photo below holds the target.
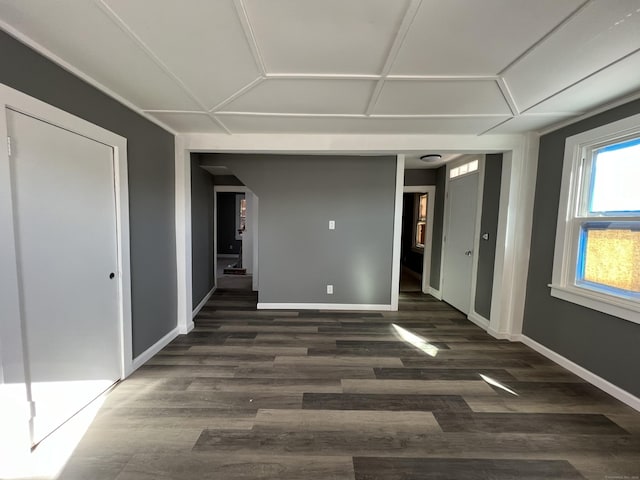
232,272
417,238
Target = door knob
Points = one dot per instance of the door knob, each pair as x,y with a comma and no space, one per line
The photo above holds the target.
111,275
468,253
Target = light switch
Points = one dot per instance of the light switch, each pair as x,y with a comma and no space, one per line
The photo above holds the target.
332,224
329,289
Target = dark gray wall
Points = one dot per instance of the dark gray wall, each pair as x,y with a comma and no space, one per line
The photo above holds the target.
438,226
227,243
488,224
202,203
227,180
420,176
410,258
150,154
298,253
603,344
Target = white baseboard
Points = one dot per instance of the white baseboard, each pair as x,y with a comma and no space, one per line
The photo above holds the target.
435,293
145,356
322,306
479,320
592,378
203,302
503,335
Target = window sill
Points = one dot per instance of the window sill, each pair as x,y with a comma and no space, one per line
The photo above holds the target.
617,307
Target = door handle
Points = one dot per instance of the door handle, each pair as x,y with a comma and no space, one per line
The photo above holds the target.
468,253
111,275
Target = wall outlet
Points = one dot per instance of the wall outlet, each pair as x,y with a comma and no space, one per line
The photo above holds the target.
332,224
329,289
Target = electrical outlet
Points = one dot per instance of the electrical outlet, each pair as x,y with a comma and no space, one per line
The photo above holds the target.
329,289
332,224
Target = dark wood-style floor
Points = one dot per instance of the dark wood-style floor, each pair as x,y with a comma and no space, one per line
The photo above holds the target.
326,395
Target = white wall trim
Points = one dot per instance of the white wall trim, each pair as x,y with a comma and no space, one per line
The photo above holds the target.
183,236
203,302
435,293
326,306
589,376
478,320
428,246
145,356
397,233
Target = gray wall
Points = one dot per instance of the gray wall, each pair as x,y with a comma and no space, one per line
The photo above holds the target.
298,253
420,176
606,345
488,224
202,203
438,226
150,153
227,242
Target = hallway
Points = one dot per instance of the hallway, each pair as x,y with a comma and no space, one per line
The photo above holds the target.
347,395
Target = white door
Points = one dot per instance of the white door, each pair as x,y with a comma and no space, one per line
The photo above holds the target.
65,222
459,239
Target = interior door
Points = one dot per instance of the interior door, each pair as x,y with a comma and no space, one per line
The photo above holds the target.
459,240
65,223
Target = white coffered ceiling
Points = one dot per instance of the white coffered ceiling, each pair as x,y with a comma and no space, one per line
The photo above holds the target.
345,66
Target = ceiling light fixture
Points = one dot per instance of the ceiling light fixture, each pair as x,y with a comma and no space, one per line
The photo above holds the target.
432,157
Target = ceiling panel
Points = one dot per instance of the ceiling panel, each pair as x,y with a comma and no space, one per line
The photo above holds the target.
328,36
206,49
441,97
343,125
306,96
98,48
195,122
487,36
526,123
600,34
614,82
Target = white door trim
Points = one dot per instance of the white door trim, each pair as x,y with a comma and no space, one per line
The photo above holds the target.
397,234
516,203
426,257
12,325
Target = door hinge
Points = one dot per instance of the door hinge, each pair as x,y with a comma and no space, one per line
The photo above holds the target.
9,146
32,407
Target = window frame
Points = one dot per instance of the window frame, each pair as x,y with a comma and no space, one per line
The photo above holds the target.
417,219
573,195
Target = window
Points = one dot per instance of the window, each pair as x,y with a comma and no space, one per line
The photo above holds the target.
420,228
597,256
463,169
241,215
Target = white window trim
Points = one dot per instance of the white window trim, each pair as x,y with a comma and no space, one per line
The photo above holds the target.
564,264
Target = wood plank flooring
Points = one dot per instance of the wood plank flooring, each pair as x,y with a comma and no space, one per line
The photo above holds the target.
339,395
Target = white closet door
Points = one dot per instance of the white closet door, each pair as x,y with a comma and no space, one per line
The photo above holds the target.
65,221
458,248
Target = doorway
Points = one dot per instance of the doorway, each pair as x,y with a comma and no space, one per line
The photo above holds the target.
417,238
235,238
460,232
65,235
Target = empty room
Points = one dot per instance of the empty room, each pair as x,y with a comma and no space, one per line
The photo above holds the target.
304,239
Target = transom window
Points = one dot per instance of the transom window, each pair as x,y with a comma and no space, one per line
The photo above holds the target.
463,169
597,257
